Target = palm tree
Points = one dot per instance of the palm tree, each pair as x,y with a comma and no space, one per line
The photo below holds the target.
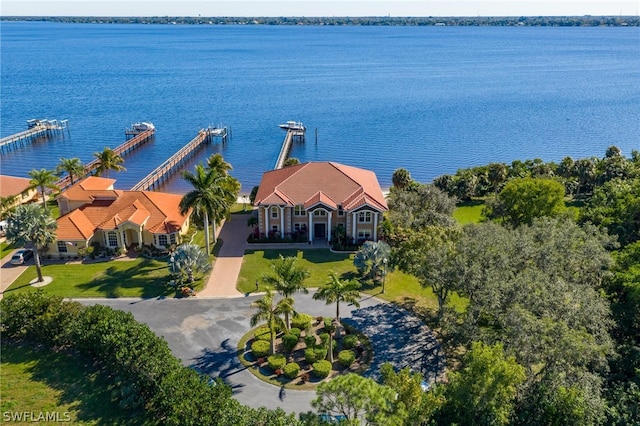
270,312
338,291
201,199
288,279
401,179
225,189
108,160
30,223
73,166
43,179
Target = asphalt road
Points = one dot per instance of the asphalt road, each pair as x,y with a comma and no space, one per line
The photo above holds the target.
204,334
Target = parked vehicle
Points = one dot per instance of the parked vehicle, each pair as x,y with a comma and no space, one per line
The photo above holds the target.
21,256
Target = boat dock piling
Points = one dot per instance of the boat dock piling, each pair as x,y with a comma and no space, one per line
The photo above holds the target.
37,128
173,163
131,144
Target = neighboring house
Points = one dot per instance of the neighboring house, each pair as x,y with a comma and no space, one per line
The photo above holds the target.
312,199
93,213
20,188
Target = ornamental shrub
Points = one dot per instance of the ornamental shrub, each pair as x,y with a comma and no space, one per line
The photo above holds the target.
289,341
277,361
310,355
260,348
321,353
329,326
321,369
324,338
302,321
295,331
346,358
262,333
310,341
291,370
350,341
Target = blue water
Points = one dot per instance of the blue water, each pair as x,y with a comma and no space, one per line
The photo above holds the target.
429,99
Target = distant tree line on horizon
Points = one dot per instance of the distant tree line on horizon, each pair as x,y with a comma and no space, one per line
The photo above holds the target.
537,21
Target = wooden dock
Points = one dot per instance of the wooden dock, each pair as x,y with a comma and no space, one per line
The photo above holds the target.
161,173
291,136
121,150
37,128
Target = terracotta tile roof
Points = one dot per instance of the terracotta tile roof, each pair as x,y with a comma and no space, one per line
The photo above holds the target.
74,226
91,188
11,185
320,198
159,212
341,184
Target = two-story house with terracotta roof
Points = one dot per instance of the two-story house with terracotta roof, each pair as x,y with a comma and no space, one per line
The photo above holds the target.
315,198
92,211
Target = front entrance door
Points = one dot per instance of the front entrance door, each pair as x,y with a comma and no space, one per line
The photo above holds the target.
319,230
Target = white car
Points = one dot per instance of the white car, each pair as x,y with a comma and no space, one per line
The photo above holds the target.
21,256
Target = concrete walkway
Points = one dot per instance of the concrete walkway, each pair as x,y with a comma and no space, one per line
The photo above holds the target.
226,268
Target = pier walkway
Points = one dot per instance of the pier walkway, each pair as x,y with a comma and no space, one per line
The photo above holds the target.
36,128
286,146
121,150
162,172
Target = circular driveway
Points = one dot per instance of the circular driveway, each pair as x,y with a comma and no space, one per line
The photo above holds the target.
204,334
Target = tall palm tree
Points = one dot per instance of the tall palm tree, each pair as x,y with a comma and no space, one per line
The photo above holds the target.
338,291
201,198
43,179
269,311
108,160
288,279
72,166
225,189
30,223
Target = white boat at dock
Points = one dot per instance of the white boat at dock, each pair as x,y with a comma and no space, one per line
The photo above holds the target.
293,125
141,127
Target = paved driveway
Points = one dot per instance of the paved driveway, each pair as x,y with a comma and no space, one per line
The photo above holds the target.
204,333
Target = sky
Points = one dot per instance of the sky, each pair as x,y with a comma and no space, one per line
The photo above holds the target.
318,8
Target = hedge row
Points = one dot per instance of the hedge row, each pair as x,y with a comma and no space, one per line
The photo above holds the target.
142,371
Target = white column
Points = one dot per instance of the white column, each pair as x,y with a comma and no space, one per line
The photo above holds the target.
310,214
282,222
265,224
329,226
353,225
375,226
140,237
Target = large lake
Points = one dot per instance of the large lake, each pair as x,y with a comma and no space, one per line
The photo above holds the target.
429,99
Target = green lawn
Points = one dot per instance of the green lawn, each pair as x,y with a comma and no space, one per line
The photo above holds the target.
469,212
400,288
6,248
136,278
38,381
319,262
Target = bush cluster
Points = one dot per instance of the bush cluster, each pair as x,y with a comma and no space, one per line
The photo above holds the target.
295,331
276,362
321,369
346,358
142,372
310,341
262,333
350,341
302,321
291,370
289,341
260,348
